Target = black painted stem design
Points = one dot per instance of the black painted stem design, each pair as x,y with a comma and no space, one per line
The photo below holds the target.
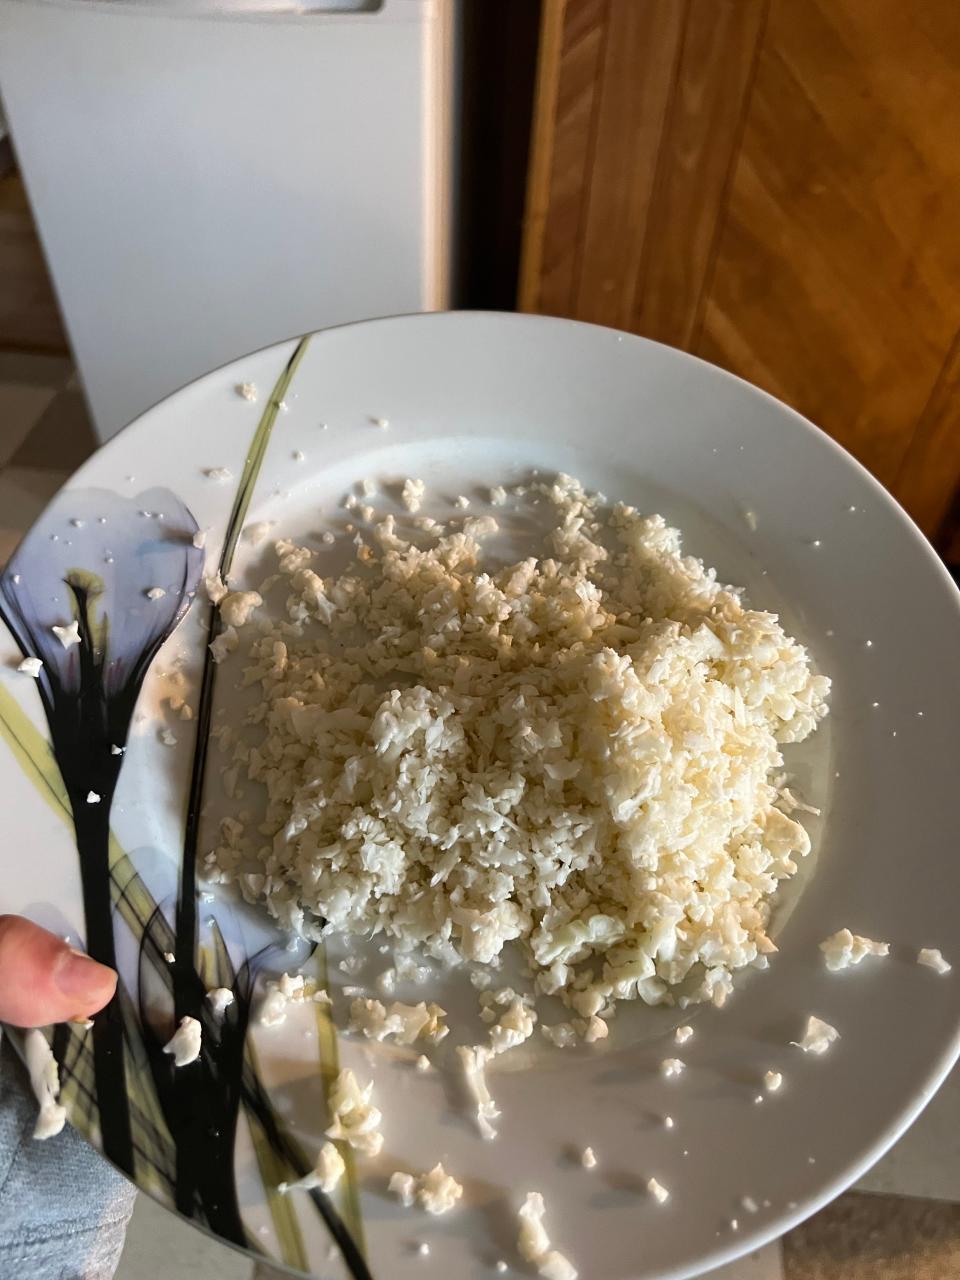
89,695
93,838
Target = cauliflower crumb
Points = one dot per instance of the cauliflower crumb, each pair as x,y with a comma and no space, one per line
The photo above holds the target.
462,502
533,1242
671,1067
156,593
473,1061
290,988
45,1082
790,804
68,635
248,390
220,475
226,642
404,1187
237,606
215,587
818,1036
31,667
498,495
587,1158
844,948
459,756
514,1026
435,1191
933,959
199,539
683,1034
412,494
772,1080
406,1022
658,1191
256,532
561,1034
221,998
184,1044
554,1266
594,1029
355,1119
325,1175
423,1063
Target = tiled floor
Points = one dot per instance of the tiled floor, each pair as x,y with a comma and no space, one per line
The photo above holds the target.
908,1229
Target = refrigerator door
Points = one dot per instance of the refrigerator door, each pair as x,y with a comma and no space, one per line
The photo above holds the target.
207,183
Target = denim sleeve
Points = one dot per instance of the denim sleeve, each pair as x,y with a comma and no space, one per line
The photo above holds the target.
63,1209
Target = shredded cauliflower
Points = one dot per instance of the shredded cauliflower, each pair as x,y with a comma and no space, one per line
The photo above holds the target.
405,1022
237,606
473,1061
658,1191
45,1082
435,1191
355,1119
185,1042
578,751
844,948
325,1175
818,1036
932,957
533,1243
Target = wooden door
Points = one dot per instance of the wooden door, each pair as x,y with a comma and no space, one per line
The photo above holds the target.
773,185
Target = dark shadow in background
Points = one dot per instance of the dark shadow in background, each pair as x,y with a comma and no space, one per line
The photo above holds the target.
499,42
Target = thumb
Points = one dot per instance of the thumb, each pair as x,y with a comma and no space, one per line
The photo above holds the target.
43,980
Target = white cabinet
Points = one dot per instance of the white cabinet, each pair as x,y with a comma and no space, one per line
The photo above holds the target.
205,184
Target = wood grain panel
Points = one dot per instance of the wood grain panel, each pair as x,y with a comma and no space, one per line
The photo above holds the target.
927,480
824,291
572,36
775,186
638,75
700,140
29,314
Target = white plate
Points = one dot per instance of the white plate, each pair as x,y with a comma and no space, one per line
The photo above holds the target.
473,400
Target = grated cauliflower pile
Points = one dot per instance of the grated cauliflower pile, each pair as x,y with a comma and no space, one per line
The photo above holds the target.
578,751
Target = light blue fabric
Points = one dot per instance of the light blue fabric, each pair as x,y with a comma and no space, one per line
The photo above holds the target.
63,1209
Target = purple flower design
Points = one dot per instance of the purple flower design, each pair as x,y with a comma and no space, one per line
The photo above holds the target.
93,557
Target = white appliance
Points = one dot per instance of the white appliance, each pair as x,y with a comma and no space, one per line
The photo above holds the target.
207,179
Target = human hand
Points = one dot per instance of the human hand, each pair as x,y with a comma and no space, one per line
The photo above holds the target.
43,980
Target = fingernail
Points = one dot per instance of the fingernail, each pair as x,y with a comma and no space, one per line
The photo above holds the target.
81,977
